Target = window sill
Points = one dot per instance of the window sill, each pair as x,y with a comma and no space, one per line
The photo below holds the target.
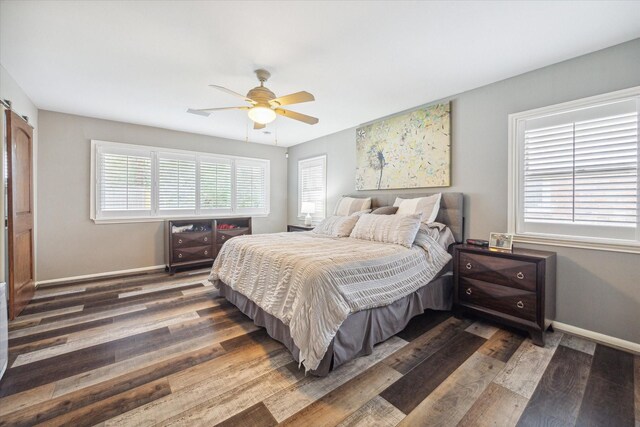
609,246
99,221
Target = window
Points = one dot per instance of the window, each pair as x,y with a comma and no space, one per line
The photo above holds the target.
125,182
312,185
574,170
176,183
251,186
137,183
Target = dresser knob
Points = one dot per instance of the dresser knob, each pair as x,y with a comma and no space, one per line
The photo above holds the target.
179,255
520,304
468,266
520,275
468,291
206,252
179,240
222,238
205,239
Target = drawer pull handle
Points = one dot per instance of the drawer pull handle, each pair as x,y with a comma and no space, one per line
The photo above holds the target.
520,304
206,252
468,266
205,239
179,255
222,237
468,291
520,275
179,240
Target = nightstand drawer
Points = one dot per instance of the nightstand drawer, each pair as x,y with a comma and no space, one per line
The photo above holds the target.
193,253
224,235
494,269
193,238
507,300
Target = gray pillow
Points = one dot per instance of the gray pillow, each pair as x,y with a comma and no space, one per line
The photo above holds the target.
385,210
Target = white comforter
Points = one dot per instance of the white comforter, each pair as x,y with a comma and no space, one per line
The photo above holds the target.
312,282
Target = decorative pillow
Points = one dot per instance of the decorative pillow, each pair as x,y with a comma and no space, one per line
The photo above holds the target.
360,213
336,226
428,206
398,229
348,205
385,210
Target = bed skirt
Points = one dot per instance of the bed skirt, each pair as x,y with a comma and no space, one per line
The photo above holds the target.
360,331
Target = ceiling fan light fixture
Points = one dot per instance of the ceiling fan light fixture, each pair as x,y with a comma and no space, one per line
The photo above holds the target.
262,115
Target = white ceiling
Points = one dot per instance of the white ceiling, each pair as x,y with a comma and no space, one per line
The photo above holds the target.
147,62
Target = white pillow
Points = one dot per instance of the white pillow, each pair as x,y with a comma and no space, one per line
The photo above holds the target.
360,213
427,206
398,229
348,205
336,226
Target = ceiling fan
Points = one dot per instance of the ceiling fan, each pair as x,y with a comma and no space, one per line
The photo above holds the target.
264,104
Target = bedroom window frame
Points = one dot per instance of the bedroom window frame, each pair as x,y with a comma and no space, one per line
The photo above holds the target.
155,214
322,158
586,236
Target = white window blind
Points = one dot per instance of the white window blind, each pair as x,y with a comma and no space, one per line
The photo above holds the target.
250,184
134,182
176,183
124,182
312,185
215,184
579,171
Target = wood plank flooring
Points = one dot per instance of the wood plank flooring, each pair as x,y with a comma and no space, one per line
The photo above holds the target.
153,349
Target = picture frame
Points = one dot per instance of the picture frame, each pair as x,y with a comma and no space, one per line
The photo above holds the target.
501,241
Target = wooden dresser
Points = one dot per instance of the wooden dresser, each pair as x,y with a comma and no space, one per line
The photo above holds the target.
516,288
196,242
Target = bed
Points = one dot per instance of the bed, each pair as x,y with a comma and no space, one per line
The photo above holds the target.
330,300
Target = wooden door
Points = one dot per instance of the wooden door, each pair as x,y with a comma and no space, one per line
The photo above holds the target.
20,212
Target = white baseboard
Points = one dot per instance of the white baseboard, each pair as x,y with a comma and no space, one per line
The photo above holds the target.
598,337
100,275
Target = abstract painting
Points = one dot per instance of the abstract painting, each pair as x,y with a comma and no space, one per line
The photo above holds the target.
412,150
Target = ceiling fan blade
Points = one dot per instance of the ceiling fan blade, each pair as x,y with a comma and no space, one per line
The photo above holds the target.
257,126
206,111
297,116
230,92
294,98
198,112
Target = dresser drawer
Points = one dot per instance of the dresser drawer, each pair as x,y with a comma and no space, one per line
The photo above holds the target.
189,239
194,253
224,235
507,300
498,270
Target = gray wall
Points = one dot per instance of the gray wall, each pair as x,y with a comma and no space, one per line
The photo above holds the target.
69,243
598,291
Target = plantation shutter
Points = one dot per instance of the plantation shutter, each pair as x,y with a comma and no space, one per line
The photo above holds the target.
581,166
251,179
176,182
215,184
312,185
123,182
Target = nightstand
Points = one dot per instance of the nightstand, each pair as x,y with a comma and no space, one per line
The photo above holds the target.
300,227
516,288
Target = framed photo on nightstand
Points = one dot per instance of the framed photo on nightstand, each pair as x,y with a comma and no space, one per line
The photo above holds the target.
501,241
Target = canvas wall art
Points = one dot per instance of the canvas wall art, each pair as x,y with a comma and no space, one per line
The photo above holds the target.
412,150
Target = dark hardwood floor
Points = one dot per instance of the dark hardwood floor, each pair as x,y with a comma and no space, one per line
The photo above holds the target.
156,349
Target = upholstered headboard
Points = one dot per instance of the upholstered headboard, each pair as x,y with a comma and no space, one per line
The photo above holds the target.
451,207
